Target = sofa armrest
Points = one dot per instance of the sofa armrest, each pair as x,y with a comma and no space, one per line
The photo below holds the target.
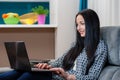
5,69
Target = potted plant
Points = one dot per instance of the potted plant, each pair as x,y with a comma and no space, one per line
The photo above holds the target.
42,13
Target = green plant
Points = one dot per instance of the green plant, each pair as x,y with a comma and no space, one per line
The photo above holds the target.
40,10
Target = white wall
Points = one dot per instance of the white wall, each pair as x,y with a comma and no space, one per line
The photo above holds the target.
65,32
108,11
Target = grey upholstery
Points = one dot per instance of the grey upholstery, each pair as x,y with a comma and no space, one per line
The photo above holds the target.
5,69
111,35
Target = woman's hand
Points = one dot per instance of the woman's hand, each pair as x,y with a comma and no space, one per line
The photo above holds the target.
61,72
43,66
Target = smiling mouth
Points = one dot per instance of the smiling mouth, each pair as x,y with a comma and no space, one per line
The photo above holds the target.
81,32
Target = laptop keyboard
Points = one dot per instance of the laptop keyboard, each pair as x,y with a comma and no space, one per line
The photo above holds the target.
37,69
33,62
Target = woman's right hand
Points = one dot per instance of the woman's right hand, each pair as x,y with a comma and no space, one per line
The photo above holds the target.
43,66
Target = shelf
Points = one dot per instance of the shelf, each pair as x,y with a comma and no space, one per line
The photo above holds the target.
28,26
24,6
24,0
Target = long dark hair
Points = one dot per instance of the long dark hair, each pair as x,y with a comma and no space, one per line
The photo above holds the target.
89,42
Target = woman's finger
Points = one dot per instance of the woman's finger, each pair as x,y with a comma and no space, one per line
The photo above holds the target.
44,66
49,67
38,65
56,70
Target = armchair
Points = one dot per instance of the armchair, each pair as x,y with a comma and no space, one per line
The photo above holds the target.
111,35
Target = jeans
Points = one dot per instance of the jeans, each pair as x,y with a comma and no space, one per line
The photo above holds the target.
21,75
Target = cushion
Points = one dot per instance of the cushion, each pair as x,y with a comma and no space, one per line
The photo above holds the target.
110,73
111,35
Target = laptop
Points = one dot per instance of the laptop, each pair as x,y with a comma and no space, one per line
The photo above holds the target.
18,57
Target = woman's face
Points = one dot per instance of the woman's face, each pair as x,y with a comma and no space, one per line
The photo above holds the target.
80,25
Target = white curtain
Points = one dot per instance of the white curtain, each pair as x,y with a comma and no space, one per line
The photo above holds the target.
107,10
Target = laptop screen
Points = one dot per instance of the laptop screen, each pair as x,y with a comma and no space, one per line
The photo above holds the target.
17,55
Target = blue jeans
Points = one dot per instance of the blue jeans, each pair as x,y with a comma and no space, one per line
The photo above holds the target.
21,75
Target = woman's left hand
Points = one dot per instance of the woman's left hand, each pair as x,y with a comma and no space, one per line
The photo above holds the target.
60,71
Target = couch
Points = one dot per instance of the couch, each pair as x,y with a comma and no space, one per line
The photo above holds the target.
111,35
111,71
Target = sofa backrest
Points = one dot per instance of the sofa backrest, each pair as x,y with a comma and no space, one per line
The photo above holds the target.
111,35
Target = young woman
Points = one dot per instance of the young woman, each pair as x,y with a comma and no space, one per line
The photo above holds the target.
84,61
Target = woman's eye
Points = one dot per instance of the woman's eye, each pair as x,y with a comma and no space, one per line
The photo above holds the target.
82,23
